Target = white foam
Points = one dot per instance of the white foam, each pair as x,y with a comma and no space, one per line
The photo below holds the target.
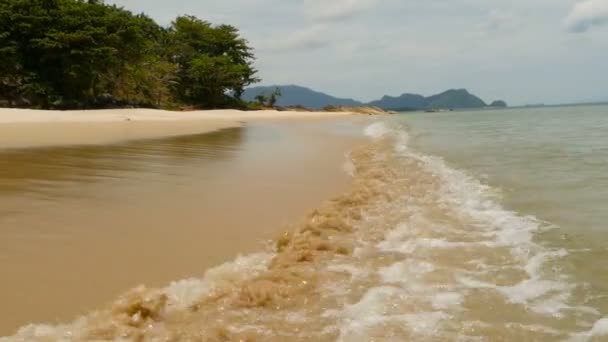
349,166
182,294
425,323
44,332
371,310
479,203
447,300
529,290
405,271
540,295
355,272
413,245
296,317
478,206
599,329
377,130
402,141
534,265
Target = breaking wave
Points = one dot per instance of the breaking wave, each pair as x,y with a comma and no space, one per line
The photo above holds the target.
416,250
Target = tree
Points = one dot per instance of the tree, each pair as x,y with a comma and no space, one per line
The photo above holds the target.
10,78
66,51
212,62
269,100
261,99
273,98
83,54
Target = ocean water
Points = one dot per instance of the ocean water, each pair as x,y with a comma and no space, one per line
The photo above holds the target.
550,163
461,226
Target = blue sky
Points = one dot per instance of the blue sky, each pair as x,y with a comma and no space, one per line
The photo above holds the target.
523,51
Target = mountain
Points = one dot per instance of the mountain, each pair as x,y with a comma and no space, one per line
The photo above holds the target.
295,95
403,102
451,99
454,98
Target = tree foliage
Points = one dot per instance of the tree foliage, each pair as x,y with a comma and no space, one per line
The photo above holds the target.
83,54
268,100
211,61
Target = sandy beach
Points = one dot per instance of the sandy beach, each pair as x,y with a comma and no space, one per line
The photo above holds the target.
89,210
450,187
37,128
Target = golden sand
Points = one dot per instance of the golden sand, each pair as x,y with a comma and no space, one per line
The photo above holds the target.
38,128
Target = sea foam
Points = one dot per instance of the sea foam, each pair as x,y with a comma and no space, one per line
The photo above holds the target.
481,227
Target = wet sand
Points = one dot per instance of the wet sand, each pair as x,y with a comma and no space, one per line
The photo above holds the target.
80,225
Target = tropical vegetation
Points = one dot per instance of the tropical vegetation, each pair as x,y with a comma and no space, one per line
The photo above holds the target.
86,54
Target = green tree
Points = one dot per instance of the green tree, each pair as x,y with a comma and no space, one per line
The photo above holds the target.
274,97
10,75
261,99
84,53
268,100
213,62
66,51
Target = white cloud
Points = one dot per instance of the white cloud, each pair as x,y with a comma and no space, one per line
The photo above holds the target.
587,13
313,37
332,10
367,48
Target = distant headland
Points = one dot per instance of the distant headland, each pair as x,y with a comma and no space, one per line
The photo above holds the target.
293,95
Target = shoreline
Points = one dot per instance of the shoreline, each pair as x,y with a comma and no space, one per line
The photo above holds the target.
26,128
178,211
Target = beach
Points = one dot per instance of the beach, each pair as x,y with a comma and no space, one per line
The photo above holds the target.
95,203
449,187
37,128
442,226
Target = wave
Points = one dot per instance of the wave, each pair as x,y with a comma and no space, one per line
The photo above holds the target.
416,250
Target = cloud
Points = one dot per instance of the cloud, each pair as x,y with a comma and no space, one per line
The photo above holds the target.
498,21
335,10
310,38
587,13
367,48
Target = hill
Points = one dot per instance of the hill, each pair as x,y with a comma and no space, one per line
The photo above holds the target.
295,95
454,98
403,102
292,95
498,104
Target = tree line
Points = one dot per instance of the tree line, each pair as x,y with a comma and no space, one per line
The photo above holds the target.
69,54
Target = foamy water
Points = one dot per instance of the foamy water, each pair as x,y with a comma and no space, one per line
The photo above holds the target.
418,250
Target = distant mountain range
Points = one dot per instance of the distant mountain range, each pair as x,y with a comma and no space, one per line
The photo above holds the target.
293,95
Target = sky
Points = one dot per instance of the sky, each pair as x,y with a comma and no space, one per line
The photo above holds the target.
522,51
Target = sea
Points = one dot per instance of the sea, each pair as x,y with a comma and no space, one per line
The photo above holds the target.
485,225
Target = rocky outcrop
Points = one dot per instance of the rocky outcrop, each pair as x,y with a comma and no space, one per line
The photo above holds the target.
498,104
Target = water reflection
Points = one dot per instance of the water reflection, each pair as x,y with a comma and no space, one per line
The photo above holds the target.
80,225
44,171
